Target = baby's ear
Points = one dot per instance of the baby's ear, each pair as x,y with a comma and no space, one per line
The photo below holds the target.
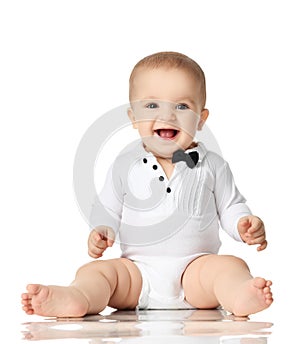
131,116
204,115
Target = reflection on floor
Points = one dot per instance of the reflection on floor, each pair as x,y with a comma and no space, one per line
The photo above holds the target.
152,326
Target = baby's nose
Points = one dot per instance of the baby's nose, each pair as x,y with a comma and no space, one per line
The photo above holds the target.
167,113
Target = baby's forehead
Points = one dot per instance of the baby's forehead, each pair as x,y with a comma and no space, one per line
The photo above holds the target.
167,76
166,82
163,69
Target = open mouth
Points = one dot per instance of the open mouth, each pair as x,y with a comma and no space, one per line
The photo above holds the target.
167,133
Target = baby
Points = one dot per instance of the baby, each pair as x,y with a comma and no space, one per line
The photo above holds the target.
169,247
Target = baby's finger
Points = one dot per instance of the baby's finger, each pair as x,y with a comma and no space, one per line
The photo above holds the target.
93,255
95,252
244,222
257,241
256,225
259,233
102,245
99,241
262,246
95,238
110,236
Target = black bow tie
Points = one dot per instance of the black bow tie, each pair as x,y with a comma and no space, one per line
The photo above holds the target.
191,158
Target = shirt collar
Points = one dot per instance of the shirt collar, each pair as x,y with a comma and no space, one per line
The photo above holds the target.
200,148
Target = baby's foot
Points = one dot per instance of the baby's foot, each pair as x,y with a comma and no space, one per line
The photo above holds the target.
253,296
54,301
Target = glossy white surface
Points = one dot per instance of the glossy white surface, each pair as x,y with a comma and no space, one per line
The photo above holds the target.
151,326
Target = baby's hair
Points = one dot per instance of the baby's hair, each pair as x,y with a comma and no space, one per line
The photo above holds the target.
170,59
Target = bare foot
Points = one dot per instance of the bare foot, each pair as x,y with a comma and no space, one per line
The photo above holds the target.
54,301
253,296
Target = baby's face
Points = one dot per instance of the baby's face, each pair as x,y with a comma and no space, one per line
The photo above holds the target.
166,109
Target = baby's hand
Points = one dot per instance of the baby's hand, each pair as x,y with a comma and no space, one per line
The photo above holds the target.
99,239
252,231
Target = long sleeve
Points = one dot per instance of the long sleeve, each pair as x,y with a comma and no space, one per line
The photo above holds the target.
107,208
231,205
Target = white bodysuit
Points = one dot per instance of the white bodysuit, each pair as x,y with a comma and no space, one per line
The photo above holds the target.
162,224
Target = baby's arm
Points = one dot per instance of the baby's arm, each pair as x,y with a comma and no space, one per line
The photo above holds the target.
99,239
105,215
235,216
252,231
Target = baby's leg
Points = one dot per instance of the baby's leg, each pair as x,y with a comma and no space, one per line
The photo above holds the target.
213,280
115,282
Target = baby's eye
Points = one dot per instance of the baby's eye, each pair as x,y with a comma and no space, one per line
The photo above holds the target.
152,106
182,106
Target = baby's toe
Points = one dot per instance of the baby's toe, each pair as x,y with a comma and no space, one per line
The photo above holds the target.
259,282
28,309
33,288
25,296
268,283
25,302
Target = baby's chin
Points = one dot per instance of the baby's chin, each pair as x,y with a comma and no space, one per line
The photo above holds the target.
161,148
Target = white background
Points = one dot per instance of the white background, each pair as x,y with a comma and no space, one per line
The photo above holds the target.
65,63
